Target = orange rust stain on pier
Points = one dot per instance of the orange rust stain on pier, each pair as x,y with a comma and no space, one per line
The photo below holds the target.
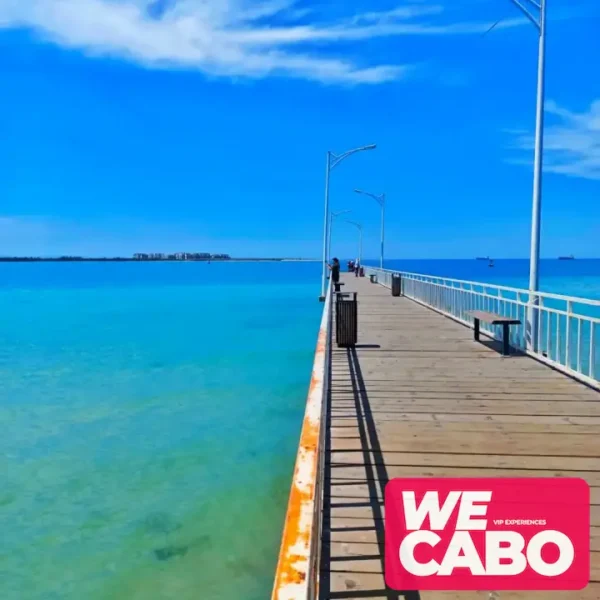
295,549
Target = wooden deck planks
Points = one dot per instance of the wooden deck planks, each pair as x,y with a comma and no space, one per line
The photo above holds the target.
419,397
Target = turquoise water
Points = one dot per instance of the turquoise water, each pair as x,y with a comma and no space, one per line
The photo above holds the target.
150,415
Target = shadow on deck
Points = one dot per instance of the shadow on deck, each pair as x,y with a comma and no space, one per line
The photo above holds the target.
376,478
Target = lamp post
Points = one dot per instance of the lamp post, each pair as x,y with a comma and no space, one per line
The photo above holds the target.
332,161
534,257
380,199
332,217
359,227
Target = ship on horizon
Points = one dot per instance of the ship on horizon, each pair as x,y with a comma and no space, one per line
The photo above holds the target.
566,257
483,258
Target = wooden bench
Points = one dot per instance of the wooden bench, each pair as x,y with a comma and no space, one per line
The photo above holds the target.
494,319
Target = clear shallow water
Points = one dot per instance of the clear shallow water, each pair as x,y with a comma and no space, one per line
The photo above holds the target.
150,417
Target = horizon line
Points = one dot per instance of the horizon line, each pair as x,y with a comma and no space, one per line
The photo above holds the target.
75,258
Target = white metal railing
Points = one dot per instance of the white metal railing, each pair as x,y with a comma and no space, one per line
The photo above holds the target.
568,328
297,575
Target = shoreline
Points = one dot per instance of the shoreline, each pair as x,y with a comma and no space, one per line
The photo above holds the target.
148,260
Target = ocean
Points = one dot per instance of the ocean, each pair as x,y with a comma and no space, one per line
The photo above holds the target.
150,416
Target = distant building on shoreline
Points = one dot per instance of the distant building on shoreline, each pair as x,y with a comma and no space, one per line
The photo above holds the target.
181,256
148,257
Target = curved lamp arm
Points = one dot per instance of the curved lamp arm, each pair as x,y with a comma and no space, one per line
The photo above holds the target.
336,159
379,198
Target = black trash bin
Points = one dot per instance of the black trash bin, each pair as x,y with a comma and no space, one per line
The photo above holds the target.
346,319
396,284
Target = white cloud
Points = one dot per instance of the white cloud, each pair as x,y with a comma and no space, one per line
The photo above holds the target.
226,37
571,146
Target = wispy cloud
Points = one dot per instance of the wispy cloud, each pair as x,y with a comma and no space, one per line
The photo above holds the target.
571,145
248,38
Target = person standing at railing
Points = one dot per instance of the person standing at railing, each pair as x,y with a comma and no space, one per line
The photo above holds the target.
356,268
334,267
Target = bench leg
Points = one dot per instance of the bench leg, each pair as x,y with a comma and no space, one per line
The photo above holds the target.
476,330
505,340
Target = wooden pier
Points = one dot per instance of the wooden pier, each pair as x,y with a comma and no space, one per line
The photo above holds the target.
419,397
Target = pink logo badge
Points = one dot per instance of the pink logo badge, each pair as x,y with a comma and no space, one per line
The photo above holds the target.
487,534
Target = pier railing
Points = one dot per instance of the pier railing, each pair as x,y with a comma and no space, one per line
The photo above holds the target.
297,575
568,328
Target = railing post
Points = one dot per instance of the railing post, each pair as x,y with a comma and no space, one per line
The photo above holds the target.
592,367
532,322
579,345
568,334
540,325
558,353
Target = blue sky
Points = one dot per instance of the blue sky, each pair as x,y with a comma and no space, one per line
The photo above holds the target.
202,125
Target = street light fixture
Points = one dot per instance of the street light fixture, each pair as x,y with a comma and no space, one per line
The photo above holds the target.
380,199
359,227
534,257
333,216
333,160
